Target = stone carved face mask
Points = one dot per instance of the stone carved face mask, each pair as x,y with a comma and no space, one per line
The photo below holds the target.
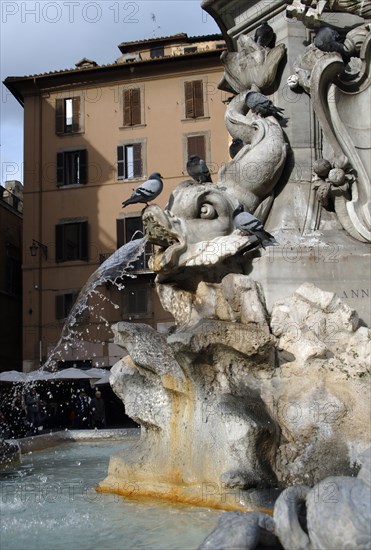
196,228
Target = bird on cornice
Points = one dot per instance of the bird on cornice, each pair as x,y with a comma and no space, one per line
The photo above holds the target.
249,225
261,105
146,192
235,147
329,40
198,170
264,34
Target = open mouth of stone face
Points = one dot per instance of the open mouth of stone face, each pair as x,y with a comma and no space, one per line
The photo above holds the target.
159,228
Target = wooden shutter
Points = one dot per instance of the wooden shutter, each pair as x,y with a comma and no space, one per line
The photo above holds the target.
83,154
59,116
142,300
84,241
194,99
135,106
59,238
120,162
198,98
127,108
196,146
60,169
75,114
59,307
137,157
188,95
120,232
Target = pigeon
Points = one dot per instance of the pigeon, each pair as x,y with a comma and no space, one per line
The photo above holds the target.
261,105
329,40
198,170
146,192
249,225
264,34
235,147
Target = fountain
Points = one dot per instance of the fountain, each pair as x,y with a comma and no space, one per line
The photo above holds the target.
264,381
113,270
266,372
50,500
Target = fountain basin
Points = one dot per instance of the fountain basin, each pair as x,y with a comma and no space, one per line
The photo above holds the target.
51,496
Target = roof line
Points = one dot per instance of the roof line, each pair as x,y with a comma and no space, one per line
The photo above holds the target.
11,81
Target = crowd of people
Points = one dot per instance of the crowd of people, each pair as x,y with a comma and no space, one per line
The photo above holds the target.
27,413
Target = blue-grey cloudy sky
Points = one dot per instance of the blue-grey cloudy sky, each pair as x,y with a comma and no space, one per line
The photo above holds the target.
41,36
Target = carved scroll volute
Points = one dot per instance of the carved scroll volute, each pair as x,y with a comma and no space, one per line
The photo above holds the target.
324,73
353,214
358,209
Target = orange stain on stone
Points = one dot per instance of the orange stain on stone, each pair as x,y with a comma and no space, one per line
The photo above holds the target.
176,495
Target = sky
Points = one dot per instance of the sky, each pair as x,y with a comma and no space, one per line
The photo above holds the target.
42,36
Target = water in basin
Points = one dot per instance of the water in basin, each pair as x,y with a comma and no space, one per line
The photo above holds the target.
49,501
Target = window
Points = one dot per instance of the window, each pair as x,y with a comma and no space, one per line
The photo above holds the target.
132,107
13,270
190,49
196,146
158,51
82,364
71,241
126,230
72,167
67,115
64,304
129,161
136,301
194,99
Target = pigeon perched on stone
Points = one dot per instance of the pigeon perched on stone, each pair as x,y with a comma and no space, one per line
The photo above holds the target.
198,170
261,105
146,192
235,147
264,34
249,225
329,40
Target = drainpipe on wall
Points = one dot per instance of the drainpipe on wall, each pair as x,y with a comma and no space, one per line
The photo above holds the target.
40,235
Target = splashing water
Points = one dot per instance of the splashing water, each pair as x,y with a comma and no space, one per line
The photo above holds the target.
112,271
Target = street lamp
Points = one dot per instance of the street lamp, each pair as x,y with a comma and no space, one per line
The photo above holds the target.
34,247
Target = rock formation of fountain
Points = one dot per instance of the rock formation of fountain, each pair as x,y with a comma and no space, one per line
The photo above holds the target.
264,380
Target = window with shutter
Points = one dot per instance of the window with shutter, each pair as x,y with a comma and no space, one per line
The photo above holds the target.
71,241
131,228
72,168
132,107
194,99
157,51
129,161
67,115
136,301
196,145
64,304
